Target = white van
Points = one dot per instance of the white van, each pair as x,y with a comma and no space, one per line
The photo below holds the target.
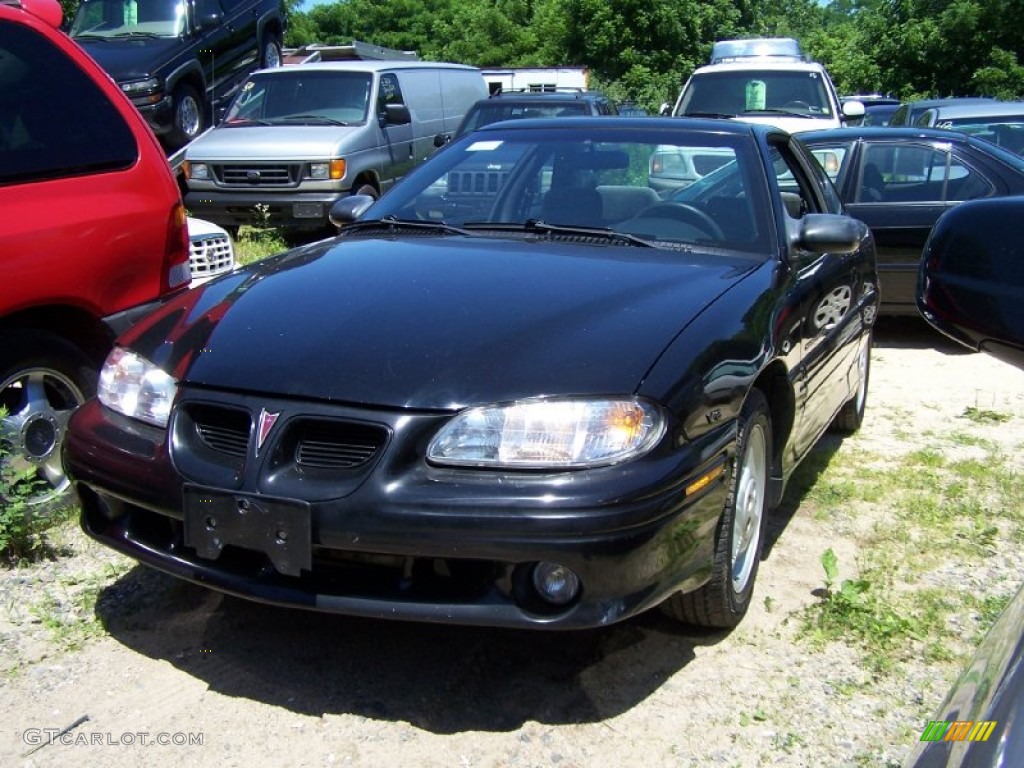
298,138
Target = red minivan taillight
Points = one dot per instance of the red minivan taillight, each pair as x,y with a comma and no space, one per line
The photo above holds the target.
176,270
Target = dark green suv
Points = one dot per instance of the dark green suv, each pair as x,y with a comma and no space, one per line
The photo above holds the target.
179,61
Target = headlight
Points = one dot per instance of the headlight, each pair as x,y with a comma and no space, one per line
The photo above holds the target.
333,169
197,171
133,386
556,434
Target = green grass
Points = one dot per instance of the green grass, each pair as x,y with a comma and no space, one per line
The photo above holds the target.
931,508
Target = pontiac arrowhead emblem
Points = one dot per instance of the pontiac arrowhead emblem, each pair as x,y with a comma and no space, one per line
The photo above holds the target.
263,426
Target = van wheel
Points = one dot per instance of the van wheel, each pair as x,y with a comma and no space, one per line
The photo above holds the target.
367,189
270,52
188,115
43,378
723,601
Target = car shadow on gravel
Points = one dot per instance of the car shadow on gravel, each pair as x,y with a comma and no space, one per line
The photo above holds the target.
443,679
913,333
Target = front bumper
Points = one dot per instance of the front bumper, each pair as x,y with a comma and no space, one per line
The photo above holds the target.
291,210
395,537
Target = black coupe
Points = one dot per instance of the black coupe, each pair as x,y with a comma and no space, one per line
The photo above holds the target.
519,390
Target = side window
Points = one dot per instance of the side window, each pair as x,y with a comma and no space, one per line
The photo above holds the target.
794,187
389,92
36,141
916,174
965,183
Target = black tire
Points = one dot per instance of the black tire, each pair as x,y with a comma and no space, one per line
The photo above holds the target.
851,415
189,115
43,378
270,52
723,601
366,189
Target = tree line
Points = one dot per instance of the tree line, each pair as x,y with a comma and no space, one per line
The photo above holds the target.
643,50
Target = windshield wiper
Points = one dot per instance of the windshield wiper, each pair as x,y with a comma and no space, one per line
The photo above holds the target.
542,227
319,118
717,115
149,35
395,224
787,112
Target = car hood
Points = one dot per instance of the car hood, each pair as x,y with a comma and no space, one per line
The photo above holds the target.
435,322
126,59
276,142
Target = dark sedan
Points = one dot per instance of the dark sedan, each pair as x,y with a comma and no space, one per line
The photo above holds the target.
899,181
539,396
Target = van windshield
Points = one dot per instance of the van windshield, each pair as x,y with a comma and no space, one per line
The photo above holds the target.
129,18
281,97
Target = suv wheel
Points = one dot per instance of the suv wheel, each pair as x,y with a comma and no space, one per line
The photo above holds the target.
188,115
42,380
270,52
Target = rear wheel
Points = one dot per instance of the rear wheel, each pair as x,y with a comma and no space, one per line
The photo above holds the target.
42,380
723,600
270,52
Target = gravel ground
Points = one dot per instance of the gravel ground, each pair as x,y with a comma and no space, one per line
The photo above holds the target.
88,634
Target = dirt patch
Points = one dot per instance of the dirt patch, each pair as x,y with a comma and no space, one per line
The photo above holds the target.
227,682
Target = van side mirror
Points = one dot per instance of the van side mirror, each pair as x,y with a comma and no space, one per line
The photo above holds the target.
665,109
971,279
397,114
441,139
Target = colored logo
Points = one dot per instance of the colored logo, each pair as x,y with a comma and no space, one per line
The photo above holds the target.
958,730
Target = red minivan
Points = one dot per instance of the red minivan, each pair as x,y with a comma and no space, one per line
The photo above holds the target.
92,232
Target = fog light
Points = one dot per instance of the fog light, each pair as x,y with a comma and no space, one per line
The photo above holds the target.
555,583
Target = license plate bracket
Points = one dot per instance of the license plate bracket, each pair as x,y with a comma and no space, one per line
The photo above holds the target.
279,528
308,210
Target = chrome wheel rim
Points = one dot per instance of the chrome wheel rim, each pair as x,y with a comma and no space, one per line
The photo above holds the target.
188,117
39,402
748,508
271,55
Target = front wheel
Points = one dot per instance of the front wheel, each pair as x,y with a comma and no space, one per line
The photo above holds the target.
42,380
851,415
723,601
189,115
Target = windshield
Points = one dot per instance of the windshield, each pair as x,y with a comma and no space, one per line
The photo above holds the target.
746,91
301,98
512,178
496,111
126,18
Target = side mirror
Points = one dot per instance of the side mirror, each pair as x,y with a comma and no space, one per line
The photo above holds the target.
397,114
971,279
441,139
348,209
665,109
209,20
853,109
830,233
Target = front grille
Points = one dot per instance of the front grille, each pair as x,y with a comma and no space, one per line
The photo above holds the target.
476,182
334,445
210,255
282,175
224,430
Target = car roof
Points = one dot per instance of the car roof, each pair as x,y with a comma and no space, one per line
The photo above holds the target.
565,95
364,66
951,100
761,65
883,132
645,124
987,109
